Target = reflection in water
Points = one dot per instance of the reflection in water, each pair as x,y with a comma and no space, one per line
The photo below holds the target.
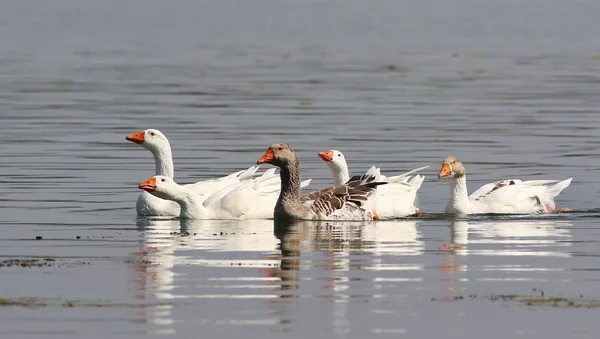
348,247
333,254
519,237
336,262
538,237
457,248
454,261
152,278
523,237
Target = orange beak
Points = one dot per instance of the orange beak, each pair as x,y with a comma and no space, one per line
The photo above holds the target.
138,138
446,171
148,185
326,156
266,158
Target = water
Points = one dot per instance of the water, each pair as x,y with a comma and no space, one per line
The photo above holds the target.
510,88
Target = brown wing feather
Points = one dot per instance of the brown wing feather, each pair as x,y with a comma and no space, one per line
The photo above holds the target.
330,199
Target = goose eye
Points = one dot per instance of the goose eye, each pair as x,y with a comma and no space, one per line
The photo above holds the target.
339,155
152,133
280,148
163,179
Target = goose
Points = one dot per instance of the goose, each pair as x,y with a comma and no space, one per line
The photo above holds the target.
246,200
350,201
502,197
158,144
396,199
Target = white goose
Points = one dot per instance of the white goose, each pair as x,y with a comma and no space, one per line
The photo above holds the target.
504,197
158,144
352,200
251,199
396,199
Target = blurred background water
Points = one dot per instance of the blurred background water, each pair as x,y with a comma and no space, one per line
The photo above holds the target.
510,87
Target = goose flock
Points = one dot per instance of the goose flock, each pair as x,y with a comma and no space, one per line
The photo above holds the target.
246,194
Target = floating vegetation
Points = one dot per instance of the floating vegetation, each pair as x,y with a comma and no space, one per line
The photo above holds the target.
528,300
26,302
455,54
479,71
285,56
66,81
391,67
596,57
45,262
258,61
41,302
305,103
479,54
139,262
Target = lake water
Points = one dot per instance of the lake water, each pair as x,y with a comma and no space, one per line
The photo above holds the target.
510,87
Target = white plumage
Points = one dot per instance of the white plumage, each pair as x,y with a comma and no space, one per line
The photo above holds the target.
503,197
396,199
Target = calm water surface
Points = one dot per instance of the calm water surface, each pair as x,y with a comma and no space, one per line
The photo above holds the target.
511,88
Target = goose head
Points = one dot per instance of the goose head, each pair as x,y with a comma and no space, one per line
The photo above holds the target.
279,155
334,159
452,168
150,139
160,186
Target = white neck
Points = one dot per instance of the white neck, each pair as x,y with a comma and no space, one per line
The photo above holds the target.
191,206
340,174
163,160
459,197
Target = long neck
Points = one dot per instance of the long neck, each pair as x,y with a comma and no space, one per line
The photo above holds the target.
191,206
290,181
340,174
163,159
459,197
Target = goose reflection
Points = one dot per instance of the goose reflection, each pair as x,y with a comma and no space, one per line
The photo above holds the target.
454,262
336,254
168,243
492,238
347,246
534,237
333,254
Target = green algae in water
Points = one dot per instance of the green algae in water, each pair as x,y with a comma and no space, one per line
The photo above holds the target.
32,302
23,302
479,71
596,57
305,103
531,301
285,56
45,262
